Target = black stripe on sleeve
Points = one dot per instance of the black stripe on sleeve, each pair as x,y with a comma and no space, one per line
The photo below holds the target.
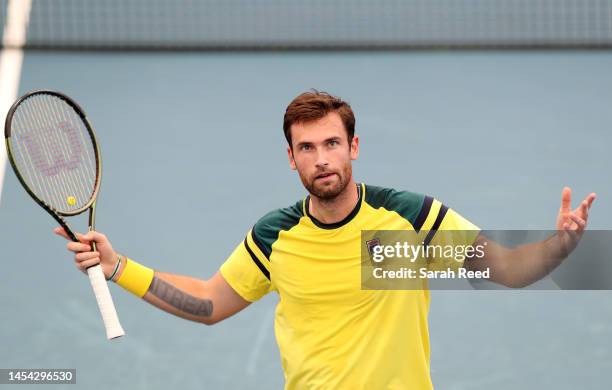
261,246
436,225
420,219
256,261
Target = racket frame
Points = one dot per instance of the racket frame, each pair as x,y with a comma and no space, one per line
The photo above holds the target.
56,214
96,276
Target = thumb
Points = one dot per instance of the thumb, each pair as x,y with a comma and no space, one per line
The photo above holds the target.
84,238
92,236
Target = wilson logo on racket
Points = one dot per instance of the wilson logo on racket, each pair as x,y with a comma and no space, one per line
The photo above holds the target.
60,142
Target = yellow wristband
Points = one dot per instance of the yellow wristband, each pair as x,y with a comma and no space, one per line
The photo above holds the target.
136,278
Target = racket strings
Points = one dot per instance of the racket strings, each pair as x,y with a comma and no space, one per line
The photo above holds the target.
73,144
39,153
54,152
65,150
29,134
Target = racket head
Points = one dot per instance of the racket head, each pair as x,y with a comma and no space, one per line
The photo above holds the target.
53,150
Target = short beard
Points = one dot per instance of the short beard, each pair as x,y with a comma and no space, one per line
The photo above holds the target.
328,194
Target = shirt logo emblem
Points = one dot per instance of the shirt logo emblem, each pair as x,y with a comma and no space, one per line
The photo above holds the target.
371,244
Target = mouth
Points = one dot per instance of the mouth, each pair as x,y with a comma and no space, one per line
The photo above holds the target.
324,175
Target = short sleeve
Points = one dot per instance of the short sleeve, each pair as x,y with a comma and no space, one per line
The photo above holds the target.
454,221
247,270
450,239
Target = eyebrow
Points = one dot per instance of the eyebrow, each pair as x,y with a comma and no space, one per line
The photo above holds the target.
334,138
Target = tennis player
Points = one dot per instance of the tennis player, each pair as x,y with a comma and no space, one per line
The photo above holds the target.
332,334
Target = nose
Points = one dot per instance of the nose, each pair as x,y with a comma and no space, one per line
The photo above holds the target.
321,160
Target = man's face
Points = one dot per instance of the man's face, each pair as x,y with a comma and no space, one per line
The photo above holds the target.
322,155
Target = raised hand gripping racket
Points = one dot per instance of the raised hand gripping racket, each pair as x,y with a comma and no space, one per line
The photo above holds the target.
53,151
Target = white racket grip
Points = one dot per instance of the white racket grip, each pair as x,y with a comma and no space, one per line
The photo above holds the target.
105,302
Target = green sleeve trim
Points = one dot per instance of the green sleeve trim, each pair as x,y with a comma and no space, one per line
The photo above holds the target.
267,229
411,206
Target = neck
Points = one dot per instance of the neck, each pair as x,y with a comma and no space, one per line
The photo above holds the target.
336,209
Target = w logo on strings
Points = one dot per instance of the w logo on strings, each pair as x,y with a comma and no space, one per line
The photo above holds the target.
55,149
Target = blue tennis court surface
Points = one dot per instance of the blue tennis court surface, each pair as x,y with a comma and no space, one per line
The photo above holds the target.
193,154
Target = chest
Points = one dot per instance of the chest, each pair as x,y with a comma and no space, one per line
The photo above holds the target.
318,268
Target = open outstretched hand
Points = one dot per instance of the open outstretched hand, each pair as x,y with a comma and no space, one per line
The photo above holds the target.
572,223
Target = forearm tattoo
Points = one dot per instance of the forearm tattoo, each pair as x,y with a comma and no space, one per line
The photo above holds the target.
179,299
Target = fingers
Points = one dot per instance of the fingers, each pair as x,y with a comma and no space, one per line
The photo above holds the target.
592,196
86,260
82,246
92,236
84,239
573,227
566,199
61,232
78,247
583,210
82,256
580,223
89,236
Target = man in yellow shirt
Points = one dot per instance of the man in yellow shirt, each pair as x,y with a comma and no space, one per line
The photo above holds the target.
333,333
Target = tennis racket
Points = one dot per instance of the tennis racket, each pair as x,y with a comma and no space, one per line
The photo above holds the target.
53,151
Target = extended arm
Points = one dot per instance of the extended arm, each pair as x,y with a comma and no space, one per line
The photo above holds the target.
519,266
206,301
526,264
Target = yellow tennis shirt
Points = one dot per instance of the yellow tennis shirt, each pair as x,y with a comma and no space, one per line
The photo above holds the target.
331,333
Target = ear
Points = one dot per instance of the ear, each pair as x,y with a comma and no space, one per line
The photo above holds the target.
354,148
291,160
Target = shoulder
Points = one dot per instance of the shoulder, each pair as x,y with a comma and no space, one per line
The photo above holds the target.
389,197
268,227
412,206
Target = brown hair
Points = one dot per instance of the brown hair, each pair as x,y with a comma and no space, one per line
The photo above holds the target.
313,105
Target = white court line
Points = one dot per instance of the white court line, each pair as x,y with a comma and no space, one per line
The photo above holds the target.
262,331
11,59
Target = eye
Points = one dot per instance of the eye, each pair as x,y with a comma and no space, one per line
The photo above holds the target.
333,142
305,147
